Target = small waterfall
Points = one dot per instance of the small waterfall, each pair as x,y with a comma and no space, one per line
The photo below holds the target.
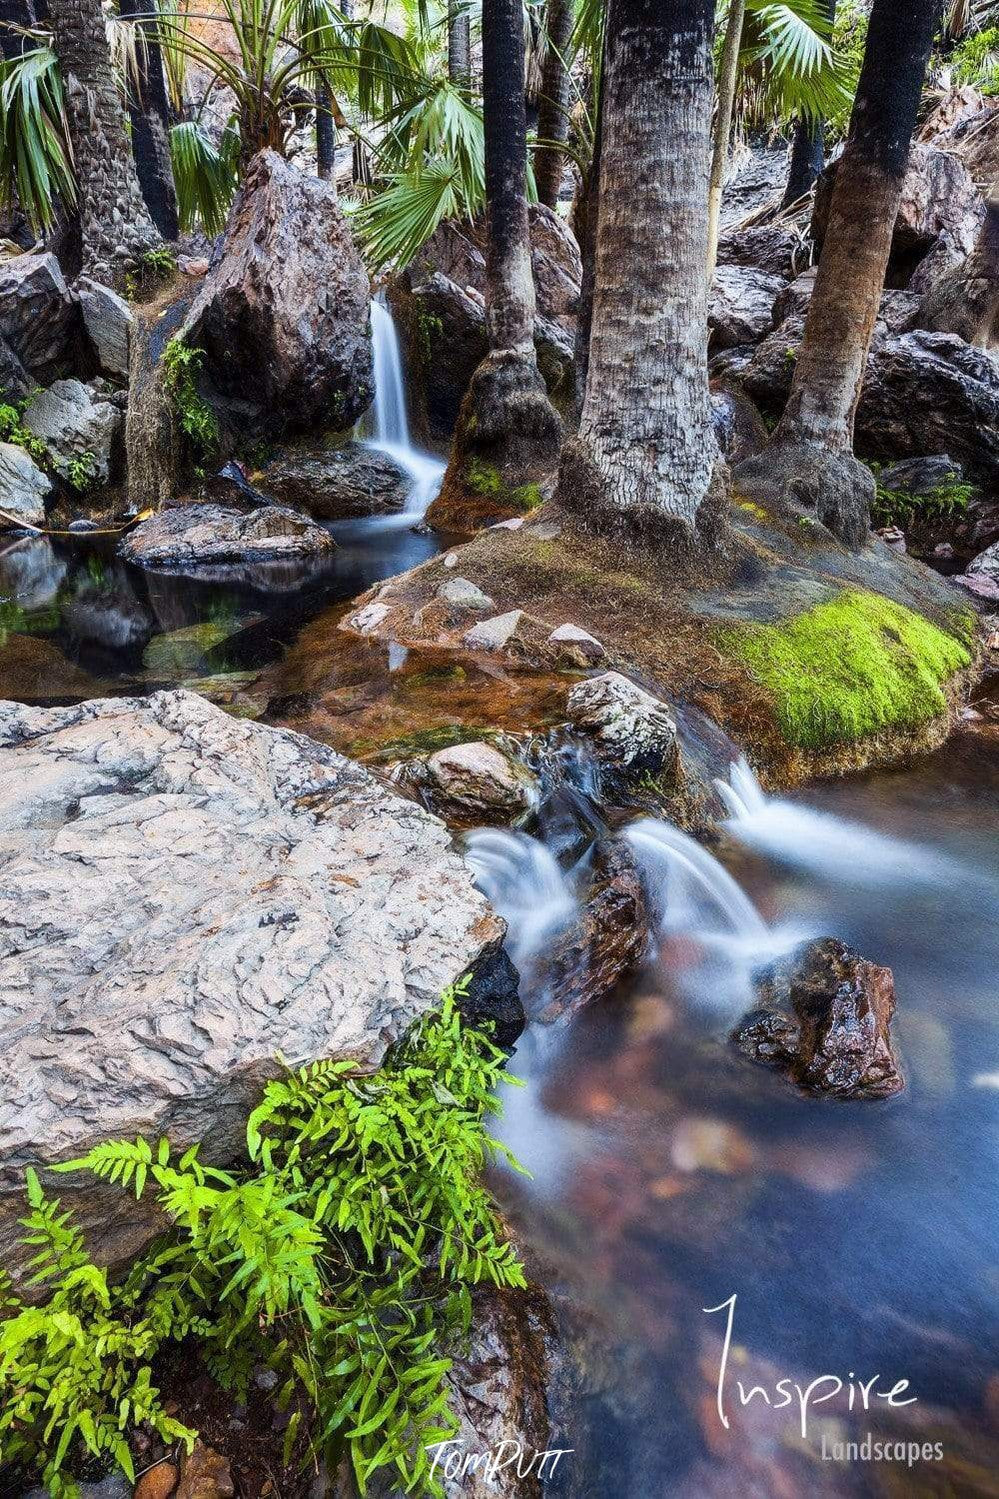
391,434
831,847
690,890
522,879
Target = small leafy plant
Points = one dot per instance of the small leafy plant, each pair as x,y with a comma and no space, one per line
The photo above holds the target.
198,421
12,429
340,1255
897,507
81,471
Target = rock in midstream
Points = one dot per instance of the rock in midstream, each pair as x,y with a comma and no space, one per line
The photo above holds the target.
825,1022
184,896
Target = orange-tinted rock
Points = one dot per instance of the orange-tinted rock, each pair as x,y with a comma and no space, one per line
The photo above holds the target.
205,1475
157,1483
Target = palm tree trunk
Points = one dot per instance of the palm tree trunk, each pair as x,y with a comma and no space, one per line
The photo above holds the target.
325,134
965,300
723,124
807,145
149,113
585,219
459,45
810,457
645,457
506,420
807,158
115,226
553,111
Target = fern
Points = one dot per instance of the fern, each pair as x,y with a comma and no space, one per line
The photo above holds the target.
341,1255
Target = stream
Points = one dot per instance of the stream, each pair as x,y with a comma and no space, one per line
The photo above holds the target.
668,1174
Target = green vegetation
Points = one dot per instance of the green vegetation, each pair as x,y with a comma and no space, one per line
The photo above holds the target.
155,266
198,421
420,742
850,668
340,1254
81,471
12,429
975,60
898,507
482,479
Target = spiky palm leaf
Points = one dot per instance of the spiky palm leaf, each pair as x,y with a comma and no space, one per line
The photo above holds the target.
36,159
787,64
204,175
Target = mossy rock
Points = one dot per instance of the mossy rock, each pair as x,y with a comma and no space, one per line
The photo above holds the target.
179,654
853,667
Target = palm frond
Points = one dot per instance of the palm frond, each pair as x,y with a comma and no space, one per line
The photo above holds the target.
394,226
36,159
204,175
788,65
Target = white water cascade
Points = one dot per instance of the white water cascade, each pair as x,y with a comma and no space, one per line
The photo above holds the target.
391,434
521,877
833,848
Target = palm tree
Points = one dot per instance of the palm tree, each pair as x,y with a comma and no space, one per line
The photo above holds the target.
115,226
807,146
727,72
810,458
459,44
553,105
506,419
149,113
645,457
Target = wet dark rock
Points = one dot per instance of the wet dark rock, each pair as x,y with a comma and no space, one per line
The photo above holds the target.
194,536
287,247
230,486
14,378
741,305
38,318
739,427
343,483
826,1021
606,942
773,248
922,474
492,999
755,179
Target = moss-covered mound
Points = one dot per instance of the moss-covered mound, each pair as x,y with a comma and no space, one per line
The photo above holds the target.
851,668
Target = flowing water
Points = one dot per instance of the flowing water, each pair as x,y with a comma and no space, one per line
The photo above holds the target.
77,622
669,1174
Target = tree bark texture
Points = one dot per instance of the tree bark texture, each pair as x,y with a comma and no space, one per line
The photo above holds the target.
506,419
965,300
459,45
149,112
806,160
553,106
115,226
645,456
585,219
723,124
325,134
844,304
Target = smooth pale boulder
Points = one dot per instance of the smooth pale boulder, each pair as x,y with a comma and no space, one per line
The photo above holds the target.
185,895
474,783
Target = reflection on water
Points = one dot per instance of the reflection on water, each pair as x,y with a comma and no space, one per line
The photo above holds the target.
76,622
859,1238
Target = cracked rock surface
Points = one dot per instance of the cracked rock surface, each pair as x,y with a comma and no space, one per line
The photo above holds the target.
183,896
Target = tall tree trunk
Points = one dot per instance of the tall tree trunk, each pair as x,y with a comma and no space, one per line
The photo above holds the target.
507,423
149,113
325,134
807,144
585,219
965,300
645,457
459,44
806,160
115,226
553,110
723,124
810,457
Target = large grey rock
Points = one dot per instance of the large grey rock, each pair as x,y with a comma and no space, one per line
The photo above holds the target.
939,198
77,428
344,483
774,248
23,487
986,564
741,305
282,314
15,383
184,896
194,536
38,318
108,321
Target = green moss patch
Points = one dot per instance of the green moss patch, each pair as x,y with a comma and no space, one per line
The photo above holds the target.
482,479
850,668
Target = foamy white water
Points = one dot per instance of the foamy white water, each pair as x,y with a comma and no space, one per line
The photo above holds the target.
391,418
